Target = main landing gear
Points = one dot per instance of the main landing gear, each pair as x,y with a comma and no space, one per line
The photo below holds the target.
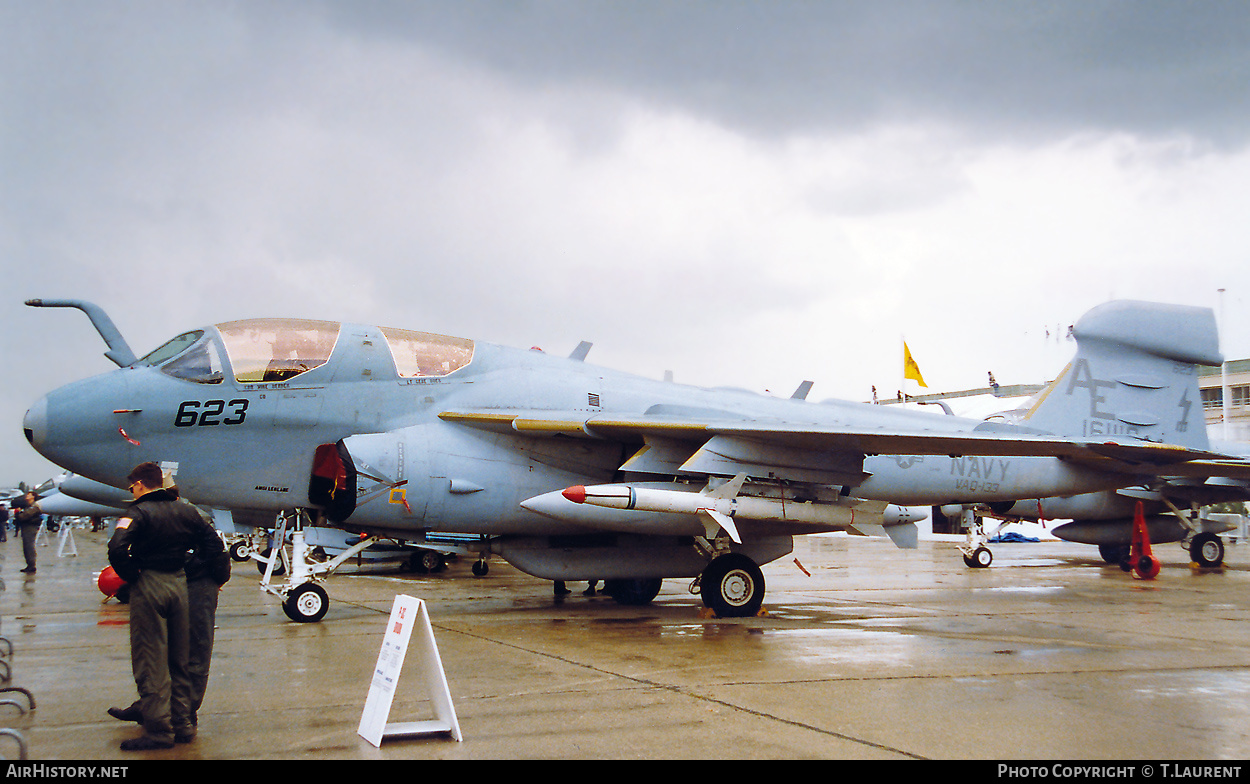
731,585
1205,549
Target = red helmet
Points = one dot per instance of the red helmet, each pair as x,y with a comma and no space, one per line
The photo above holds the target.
109,582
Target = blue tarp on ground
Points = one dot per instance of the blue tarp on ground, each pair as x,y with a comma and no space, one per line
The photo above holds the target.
1013,537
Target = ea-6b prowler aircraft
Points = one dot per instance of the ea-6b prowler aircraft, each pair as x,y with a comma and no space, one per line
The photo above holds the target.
574,472
1105,518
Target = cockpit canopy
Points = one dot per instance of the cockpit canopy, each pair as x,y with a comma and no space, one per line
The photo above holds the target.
270,351
424,354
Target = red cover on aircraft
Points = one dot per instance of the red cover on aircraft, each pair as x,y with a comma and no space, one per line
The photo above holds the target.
328,465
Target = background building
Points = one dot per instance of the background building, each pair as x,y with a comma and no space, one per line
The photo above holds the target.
1238,424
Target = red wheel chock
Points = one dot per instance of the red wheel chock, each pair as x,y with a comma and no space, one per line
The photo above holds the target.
1143,561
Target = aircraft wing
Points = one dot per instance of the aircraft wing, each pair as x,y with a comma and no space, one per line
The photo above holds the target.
1230,469
802,452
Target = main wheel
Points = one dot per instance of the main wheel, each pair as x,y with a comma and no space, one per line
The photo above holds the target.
732,586
432,561
1114,553
636,593
1207,550
426,561
307,603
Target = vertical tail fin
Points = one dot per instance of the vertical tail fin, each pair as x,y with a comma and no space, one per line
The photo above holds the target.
1134,375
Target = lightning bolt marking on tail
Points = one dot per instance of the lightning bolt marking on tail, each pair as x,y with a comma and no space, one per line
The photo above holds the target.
1185,404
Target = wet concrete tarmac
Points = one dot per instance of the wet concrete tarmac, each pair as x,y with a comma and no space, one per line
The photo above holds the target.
878,654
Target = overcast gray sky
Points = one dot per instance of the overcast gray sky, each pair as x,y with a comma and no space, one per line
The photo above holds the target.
745,193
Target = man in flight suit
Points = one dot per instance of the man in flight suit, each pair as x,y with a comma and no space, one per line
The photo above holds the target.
149,549
27,521
206,574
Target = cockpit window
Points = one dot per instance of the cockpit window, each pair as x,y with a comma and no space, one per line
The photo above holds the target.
265,351
424,354
172,348
201,363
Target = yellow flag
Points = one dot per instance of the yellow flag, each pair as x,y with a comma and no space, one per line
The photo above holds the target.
910,368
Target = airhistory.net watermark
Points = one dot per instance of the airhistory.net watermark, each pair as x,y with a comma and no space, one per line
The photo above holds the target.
43,770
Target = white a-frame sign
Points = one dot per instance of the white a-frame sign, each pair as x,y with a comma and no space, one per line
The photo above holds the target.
408,615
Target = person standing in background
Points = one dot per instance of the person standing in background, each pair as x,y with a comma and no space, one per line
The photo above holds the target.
27,521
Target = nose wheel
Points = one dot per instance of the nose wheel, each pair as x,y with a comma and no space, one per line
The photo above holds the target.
979,558
303,599
976,554
307,603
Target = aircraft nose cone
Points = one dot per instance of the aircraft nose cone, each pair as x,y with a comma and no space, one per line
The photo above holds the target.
35,423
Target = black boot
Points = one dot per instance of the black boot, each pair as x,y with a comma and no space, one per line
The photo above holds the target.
127,714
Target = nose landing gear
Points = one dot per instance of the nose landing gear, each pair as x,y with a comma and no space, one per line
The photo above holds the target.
976,554
303,599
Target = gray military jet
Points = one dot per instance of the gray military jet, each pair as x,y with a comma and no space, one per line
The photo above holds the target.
1105,518
574,472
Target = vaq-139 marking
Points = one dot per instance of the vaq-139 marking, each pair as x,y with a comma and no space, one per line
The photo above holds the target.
574,472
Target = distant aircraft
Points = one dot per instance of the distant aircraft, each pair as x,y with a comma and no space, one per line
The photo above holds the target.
1173,507
91,491
574,472
58,504
54,501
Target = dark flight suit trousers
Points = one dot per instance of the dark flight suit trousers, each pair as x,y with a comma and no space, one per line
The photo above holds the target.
159,642
203,595
29,531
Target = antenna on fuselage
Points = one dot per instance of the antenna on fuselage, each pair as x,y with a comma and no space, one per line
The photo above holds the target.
801,392
119,350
